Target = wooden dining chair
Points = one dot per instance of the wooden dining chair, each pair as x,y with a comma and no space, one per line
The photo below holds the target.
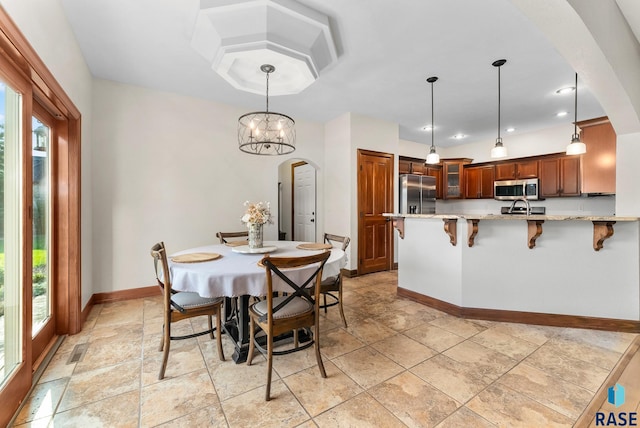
224,235
283,314
180,305
333,284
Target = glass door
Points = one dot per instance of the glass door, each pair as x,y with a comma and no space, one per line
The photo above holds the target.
42,320
12,321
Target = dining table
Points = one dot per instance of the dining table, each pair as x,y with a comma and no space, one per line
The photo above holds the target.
233,271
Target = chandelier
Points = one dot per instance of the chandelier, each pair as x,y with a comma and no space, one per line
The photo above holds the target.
264,132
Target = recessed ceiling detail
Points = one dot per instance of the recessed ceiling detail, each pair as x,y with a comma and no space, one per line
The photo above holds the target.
238,36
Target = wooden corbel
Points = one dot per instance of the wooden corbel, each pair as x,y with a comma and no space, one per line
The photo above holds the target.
451,229
398,223
472,231
601,230
534,231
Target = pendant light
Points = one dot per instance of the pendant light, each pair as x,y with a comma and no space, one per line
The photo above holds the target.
432,157
265,132
576,147
499,150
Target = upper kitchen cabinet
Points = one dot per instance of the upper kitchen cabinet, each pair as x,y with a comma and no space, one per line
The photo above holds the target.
599,163
560,176
452,177
411,166
478,182
435,171
516,170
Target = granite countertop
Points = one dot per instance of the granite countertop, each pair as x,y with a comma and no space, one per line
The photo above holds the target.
515,217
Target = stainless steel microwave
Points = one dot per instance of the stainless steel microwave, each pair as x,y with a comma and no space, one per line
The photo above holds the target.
509,190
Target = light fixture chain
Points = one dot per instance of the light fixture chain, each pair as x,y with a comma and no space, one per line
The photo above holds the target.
498,102
575,109
433,130
267,110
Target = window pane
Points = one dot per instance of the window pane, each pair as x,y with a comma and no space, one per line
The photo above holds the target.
10,228
41,308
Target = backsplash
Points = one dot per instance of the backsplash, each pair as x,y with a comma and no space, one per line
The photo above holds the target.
583,205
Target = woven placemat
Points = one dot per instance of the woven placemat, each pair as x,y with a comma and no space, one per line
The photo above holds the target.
195,257
314,246
236,243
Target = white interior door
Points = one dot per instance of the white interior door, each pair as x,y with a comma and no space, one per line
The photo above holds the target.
304,202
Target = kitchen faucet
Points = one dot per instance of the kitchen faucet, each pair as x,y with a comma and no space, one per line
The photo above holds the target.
527,205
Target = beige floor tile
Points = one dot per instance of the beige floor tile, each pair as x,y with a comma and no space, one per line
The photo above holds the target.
361,411
413,401
58,368
369,330
508,408
458,326
122,312
184,357
508,345
251,410
614,341
481,362
119,411
210,416
38,423
557,394
536,334
43,401
132,330
587,352
96,385
70,342
233,379
459,381
463,417
403,350
558,364
318,394
399,320
367,366
176,397
288,364
434,337
110,351
338,342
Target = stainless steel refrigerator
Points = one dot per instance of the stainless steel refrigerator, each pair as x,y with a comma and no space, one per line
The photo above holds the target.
417,194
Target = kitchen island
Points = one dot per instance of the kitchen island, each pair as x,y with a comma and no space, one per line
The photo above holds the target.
538,269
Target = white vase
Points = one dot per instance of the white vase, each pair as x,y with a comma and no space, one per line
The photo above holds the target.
255,235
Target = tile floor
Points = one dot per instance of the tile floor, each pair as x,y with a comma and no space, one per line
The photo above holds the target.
398,364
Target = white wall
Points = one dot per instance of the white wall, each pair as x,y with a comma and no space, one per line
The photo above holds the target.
628,175
550,140
167,167
338,190
45,26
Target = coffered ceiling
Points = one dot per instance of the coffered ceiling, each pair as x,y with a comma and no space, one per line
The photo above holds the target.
385,52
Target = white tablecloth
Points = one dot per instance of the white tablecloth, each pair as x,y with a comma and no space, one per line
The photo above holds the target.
235,274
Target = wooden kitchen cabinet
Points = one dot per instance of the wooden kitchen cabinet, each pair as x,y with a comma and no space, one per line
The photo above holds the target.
435,171
516,170
478,182
599,162
411,166
452,177
560,176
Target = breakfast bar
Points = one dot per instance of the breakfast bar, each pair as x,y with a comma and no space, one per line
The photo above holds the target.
554,270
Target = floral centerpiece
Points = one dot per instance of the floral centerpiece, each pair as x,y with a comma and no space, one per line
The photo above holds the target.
255,217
